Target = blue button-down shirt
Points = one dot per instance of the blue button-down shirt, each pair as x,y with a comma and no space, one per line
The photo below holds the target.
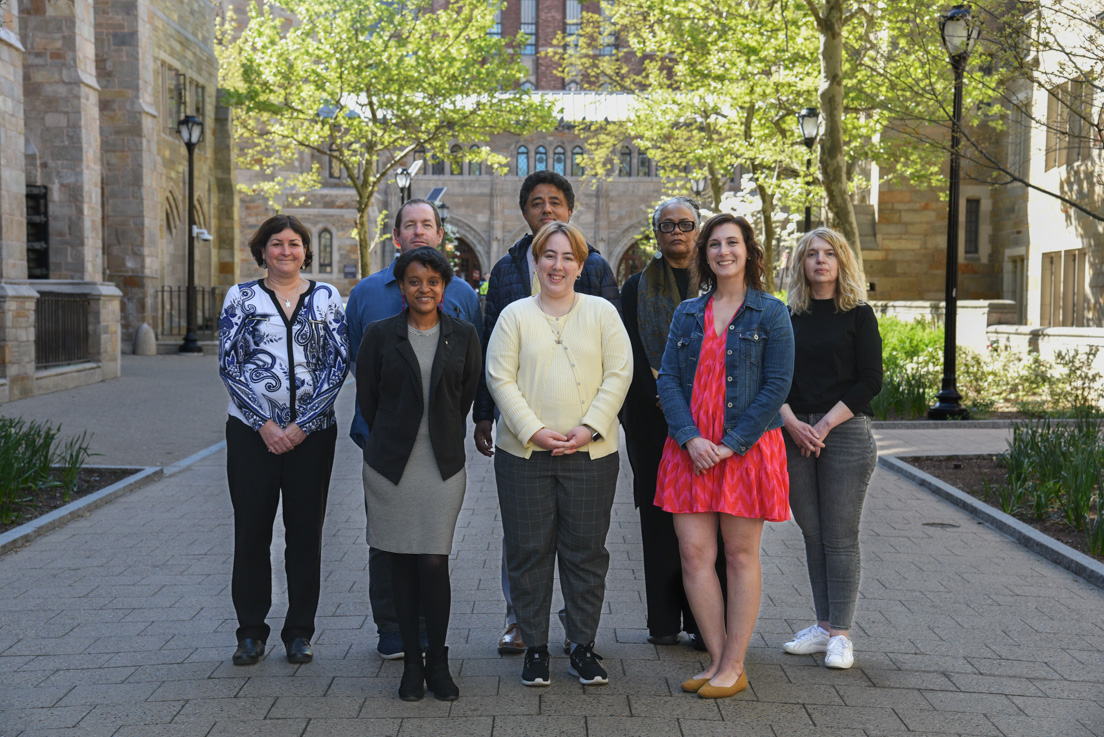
377,297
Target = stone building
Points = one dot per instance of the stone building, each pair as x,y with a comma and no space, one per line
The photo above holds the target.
93,181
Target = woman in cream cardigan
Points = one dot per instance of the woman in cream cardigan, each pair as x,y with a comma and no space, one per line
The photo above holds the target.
558,366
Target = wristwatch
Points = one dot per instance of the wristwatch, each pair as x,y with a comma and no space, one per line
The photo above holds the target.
595,436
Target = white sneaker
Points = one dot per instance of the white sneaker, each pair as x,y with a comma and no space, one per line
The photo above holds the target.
840,653
809,640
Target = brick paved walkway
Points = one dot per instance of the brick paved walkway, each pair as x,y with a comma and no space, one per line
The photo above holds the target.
121,624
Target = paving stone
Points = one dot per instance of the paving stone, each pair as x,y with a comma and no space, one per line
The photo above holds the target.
970,702
208,688
138,712
1014,726
542,726
679,706
454,727
267,728
285,686
310,707
505,705
994,684
352,728
213,710
928,721
591,705
190,729
854,717
108,693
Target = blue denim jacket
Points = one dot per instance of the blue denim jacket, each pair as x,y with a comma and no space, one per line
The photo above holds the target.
758,368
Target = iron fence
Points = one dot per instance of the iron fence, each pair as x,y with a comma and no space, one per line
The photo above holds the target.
61,329
174,310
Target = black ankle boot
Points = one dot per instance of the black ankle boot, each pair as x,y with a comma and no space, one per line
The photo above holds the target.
438,679
411,686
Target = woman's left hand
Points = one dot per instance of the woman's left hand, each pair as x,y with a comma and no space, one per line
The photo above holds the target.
578,437
293,433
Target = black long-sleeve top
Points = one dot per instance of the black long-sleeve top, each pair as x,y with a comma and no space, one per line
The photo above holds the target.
837,358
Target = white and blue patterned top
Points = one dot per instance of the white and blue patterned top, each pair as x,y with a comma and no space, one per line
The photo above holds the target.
279,369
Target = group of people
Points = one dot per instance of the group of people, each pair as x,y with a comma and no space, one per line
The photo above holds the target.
699,364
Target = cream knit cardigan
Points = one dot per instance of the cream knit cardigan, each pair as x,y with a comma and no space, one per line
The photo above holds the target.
537,382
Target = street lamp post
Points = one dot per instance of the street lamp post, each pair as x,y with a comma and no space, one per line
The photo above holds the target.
697,186
403,180
808,122
443,210
959,32
191,132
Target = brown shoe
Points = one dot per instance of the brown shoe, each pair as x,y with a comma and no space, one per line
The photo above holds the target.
511,642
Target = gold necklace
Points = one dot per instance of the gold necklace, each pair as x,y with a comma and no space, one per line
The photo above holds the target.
287,302
556,333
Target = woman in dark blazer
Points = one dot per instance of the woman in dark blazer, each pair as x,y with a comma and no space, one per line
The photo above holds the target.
417,374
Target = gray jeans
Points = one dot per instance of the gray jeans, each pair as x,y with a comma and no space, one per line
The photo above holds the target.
826,497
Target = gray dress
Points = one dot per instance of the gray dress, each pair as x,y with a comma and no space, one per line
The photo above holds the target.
417,515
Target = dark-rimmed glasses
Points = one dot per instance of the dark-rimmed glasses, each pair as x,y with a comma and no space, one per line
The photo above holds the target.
669,227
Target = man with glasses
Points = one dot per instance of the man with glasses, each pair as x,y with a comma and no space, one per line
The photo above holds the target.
648,301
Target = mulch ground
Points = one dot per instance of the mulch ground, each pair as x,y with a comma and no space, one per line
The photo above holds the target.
969,474
38,502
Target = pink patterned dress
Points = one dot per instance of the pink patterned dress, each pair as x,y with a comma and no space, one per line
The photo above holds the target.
755,485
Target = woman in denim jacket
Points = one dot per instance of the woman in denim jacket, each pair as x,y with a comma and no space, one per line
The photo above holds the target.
725,373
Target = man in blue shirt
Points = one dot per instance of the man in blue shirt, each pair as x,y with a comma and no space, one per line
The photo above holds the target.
377,297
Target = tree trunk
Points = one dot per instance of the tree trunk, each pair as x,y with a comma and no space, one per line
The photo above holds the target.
364,240
833,155
767,209
716,186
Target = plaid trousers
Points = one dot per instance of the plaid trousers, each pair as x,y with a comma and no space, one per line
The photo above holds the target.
556,505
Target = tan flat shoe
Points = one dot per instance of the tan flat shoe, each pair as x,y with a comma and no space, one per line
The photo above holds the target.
691,685
709,691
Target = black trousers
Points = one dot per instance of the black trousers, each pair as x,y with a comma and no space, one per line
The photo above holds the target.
668,609
257,479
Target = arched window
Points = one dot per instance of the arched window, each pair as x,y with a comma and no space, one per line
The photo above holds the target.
523,161
540,163
643,165
558,160
325,252
626,162
577,161
456,167
335,165
437,166
527,85
475,168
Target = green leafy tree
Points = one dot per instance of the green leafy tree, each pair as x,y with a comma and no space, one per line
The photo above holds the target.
716,84
367,83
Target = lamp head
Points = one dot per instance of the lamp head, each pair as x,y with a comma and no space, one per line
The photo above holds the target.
403,178
959,30
191,130
443,208
808,124
699,185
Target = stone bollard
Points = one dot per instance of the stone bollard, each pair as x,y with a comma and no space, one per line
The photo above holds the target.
145,343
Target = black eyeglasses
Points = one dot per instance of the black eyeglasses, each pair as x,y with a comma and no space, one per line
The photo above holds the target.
684,225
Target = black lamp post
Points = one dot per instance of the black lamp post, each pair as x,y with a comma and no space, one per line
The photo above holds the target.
443,211
808,122
403,179
959,32
191,132
697,186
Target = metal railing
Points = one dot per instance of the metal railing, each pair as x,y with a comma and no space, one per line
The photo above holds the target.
61,329
174,310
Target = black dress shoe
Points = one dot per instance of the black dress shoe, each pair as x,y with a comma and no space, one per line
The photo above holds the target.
249,651
663,639
299,651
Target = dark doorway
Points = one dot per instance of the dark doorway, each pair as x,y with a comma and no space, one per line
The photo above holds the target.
38,232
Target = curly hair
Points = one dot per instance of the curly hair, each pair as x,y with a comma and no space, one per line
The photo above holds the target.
278,224
544,176
753,269
427,256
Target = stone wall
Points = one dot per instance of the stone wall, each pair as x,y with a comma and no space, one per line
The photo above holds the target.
975,316
61,118
13,183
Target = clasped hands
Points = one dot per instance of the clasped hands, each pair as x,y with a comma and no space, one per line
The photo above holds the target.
281,440
559,444
705,454
808,438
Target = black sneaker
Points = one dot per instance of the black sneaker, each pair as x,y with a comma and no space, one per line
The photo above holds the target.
584,664
535,671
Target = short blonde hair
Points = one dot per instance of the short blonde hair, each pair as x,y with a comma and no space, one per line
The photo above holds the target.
574,236
850,289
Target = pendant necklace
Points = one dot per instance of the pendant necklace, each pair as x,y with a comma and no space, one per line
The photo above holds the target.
556,333
287,302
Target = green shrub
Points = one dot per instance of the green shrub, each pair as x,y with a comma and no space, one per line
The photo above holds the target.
28,451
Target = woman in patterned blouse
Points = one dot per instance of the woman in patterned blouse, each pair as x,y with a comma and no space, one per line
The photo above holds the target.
283,355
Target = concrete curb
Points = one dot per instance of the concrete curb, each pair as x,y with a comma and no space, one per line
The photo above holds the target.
20,536
955,424
1035,541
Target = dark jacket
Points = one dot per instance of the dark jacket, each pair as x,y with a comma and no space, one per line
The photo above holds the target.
389,387
508,284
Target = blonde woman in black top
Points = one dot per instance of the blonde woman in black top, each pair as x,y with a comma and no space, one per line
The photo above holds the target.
830,450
